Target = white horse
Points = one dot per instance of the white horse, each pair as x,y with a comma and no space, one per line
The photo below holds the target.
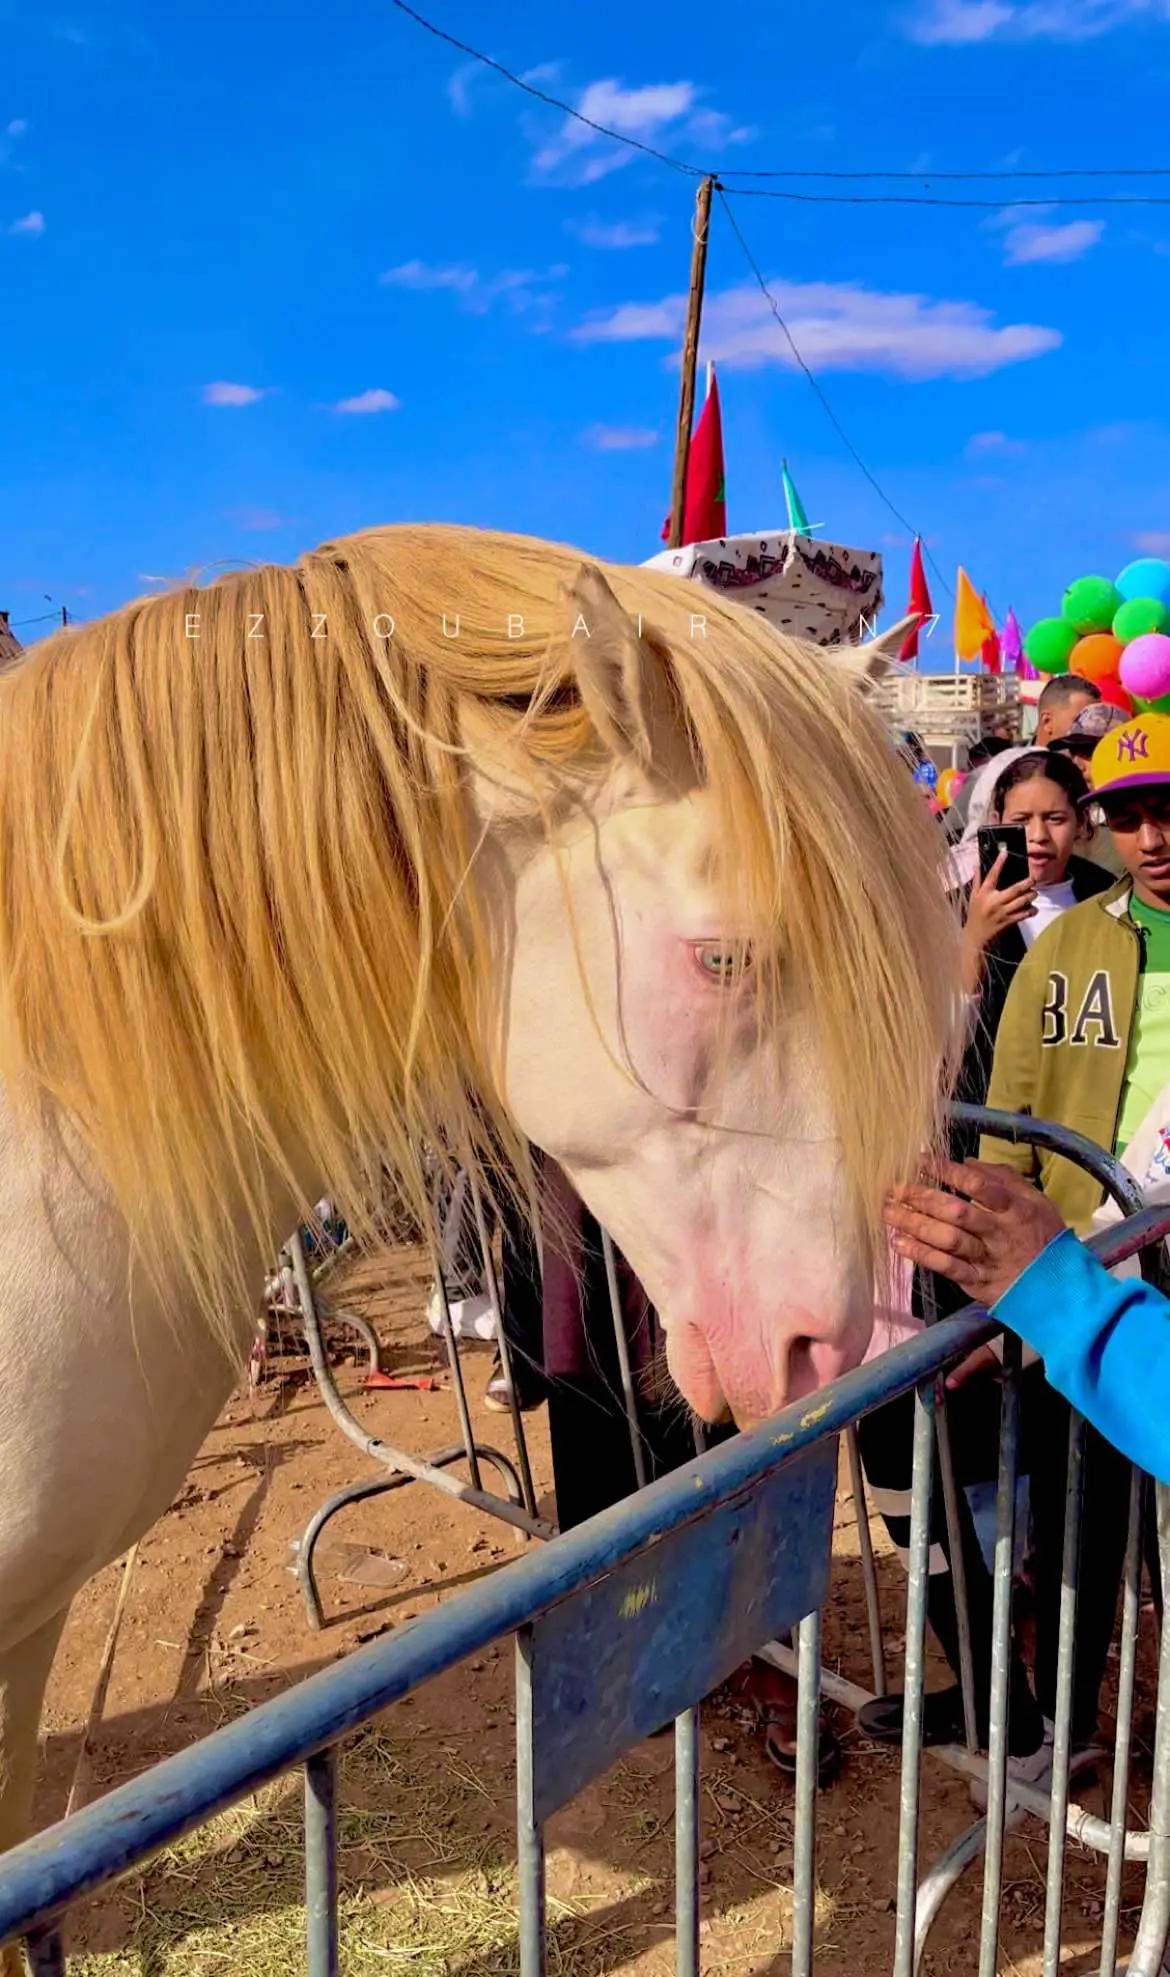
429,838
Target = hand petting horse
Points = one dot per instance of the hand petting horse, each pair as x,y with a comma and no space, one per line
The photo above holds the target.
437,837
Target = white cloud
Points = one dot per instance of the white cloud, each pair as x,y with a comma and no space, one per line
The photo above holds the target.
1028,240
32,223
981,444
459,90
375,400
258,520
1153,542
416,274
459,85
524,291
17,128
231,394
963,22
837,327
619,439
657,114
615,233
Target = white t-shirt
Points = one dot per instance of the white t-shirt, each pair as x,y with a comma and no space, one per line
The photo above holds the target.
1051,902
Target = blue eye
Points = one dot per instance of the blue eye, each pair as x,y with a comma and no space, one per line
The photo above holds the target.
725,962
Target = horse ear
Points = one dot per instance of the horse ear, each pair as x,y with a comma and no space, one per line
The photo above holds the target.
619,676
878,656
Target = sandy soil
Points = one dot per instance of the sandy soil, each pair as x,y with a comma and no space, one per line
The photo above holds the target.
214,1625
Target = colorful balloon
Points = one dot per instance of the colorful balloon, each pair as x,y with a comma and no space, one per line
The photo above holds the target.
949,784
1096,657
1090,603
1145,666
1049,644
1155,706
1115,695
1148,577
1140,615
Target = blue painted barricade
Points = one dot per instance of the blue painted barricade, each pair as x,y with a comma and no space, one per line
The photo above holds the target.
620,1625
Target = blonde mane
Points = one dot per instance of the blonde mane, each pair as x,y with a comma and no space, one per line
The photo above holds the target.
240,943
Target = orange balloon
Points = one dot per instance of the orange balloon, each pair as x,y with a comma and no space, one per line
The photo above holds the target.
1096,657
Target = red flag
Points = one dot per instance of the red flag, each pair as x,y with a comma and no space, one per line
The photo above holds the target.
919,601
704,507
991,652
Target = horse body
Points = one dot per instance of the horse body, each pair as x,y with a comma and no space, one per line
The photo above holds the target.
272,914
104,1402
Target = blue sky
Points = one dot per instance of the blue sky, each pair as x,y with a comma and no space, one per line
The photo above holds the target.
263,286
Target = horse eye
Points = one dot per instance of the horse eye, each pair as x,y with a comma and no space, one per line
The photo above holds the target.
726,964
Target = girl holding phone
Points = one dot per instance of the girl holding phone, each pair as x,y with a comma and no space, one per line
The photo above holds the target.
1040,793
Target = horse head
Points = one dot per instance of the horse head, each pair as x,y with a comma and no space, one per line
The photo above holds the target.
448,837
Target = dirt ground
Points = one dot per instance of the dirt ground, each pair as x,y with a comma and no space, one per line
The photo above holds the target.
215,1625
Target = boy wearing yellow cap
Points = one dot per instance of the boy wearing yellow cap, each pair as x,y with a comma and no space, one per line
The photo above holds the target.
1085,1034
1084,1041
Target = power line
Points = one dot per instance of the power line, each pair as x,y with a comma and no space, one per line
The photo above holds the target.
701,171
926,177
879,490
1042,204
542,96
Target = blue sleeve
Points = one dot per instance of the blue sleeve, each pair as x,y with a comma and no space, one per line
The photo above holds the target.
1105,1343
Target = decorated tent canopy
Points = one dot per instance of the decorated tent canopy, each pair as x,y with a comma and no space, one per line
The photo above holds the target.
809,589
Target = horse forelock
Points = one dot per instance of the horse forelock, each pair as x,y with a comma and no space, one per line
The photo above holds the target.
239,944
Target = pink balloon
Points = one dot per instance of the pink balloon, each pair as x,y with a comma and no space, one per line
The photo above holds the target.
1145,666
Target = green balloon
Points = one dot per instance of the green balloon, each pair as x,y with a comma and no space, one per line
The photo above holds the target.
1090,604
1139,616
1154,706
1049,644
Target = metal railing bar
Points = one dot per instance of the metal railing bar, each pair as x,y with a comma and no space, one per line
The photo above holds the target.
1001,1650
43,1875
958,1564
1116,1179
808,1737
1065,1667
909,1804
1081,1826
1154,1925
504,1350
321,1864
1119,1801
873,1611
529,1832
686,1843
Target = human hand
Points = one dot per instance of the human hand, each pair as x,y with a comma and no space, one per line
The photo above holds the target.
983,1236
984,1359
990,910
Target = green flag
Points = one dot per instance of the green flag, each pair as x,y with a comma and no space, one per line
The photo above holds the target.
797,519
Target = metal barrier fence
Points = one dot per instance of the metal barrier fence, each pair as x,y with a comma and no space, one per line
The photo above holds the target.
607,1652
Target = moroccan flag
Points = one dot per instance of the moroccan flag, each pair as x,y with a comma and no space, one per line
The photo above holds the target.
919,601
704,507
973,626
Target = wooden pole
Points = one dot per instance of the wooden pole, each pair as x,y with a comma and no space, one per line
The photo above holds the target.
690,360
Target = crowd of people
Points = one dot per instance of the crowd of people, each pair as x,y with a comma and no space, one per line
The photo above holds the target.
1067,977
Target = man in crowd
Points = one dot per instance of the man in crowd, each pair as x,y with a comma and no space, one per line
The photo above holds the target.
1092,723
1062,700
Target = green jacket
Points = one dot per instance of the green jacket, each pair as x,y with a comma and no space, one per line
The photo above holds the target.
1063,1043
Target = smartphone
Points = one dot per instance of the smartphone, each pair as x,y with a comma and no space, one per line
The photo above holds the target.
1012,838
